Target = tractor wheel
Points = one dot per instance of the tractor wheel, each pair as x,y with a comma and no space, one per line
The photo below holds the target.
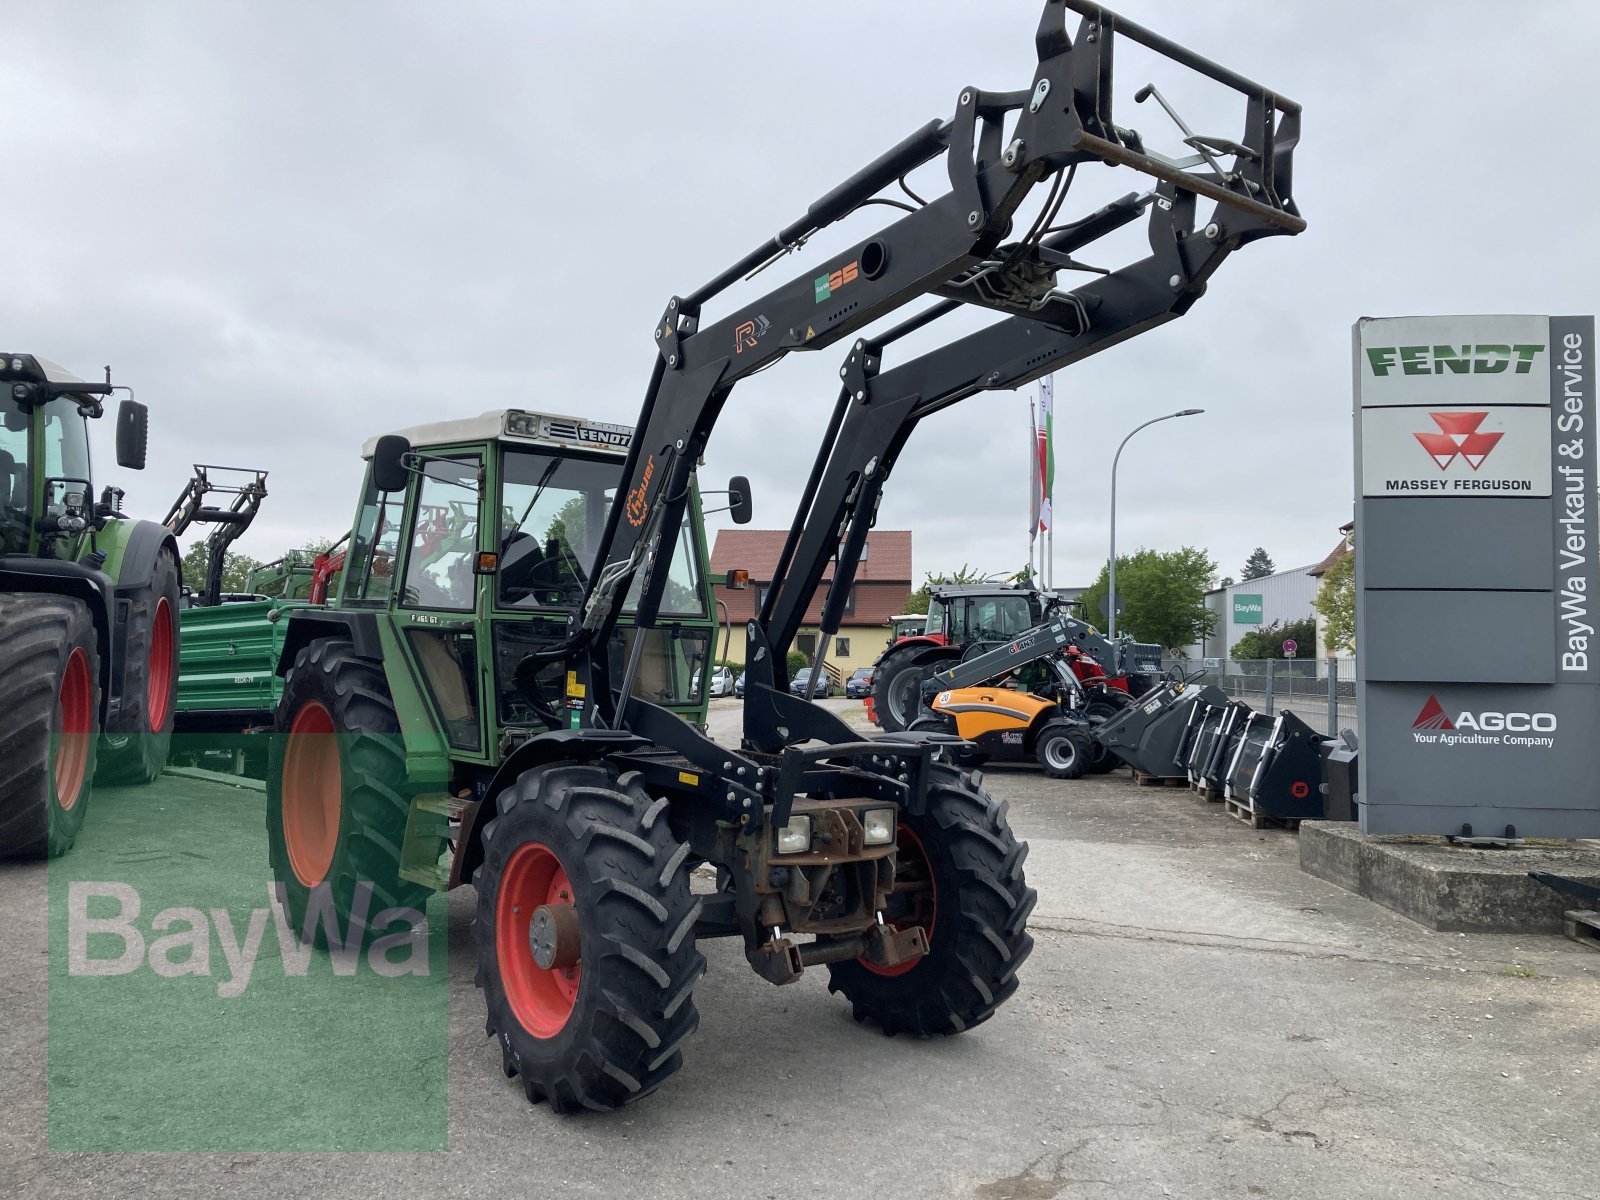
337,797
897,689
959,875
585,933
49,719
149,682
1106,703
1063,750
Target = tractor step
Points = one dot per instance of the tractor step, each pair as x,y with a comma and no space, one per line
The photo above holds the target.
427,832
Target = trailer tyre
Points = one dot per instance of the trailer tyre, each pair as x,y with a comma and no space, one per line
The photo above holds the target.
1063,750
970,894
337,797
585,936
49,719
149,681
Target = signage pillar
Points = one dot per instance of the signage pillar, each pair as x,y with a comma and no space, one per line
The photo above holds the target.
1476,582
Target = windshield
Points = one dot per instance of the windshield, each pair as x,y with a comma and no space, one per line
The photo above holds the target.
552,513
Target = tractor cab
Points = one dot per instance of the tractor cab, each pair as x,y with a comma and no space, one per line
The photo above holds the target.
46,494
479,536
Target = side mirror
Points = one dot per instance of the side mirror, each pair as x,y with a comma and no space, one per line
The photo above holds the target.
389,472
133,434
739,500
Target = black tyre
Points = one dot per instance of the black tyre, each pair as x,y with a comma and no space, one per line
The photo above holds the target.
1104,704
138,750
968,891
897,688
49,722
584,865
1063,750
337,796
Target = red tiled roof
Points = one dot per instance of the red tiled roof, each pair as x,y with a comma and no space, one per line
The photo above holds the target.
882,587
756,550
1334,555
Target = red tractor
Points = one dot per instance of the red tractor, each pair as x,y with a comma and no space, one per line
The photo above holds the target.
969,619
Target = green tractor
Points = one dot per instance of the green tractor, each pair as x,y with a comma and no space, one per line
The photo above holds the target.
88,612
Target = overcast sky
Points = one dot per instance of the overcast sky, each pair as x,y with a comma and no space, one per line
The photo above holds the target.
291,226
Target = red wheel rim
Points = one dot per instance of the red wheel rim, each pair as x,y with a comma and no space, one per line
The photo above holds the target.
913,870
75,728
541,1000
162,665
312,794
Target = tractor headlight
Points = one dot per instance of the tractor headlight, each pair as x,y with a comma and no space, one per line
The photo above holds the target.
878,826
795,837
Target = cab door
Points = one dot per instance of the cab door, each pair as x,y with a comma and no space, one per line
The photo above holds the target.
437,603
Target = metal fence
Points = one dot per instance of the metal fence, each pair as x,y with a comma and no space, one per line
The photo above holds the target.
1320,691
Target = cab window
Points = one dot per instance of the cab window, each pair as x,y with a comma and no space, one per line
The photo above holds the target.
444,536
369,568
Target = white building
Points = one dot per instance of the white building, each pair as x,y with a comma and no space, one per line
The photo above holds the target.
1246,607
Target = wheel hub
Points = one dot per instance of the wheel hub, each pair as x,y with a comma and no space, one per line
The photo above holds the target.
553,936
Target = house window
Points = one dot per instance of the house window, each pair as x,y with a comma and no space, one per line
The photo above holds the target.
849,600
842,647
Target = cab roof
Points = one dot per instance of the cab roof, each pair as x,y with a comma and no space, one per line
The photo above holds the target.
518,427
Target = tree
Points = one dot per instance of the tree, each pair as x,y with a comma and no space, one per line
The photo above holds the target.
1267,642
1258,566
1225,582
1336,602
1162,595
918,600
236,568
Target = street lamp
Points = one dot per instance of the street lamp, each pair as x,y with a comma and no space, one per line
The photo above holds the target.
1111,599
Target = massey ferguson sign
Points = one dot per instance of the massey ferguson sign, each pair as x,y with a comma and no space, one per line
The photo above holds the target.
1476,545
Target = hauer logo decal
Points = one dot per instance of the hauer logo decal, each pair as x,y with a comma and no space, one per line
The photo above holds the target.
636,508
1490,727
1458,436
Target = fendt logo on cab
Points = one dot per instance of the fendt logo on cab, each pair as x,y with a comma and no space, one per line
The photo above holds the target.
1481,359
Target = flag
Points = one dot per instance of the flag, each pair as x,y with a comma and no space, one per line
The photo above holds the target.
1035,481
1046,465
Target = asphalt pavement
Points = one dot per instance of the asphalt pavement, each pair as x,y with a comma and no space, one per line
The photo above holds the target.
1198,1019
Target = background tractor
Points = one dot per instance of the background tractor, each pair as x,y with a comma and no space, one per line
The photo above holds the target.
965,620
494,696
88,612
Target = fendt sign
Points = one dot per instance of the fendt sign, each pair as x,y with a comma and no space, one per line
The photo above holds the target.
1475,565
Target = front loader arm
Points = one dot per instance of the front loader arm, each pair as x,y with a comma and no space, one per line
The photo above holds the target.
998,147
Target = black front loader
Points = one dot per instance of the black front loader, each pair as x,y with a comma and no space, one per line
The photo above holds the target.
998,147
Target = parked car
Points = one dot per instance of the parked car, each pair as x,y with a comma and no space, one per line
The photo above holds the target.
859,685
738,686
721,682
801,684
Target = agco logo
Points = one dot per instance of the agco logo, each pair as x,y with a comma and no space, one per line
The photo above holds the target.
1458,436
1489,727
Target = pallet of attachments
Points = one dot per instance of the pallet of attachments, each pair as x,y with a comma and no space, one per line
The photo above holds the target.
1171,781
1255,818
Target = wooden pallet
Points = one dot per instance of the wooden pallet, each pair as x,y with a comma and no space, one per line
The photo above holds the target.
1143,780
1257,820
1583,925
1209,793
